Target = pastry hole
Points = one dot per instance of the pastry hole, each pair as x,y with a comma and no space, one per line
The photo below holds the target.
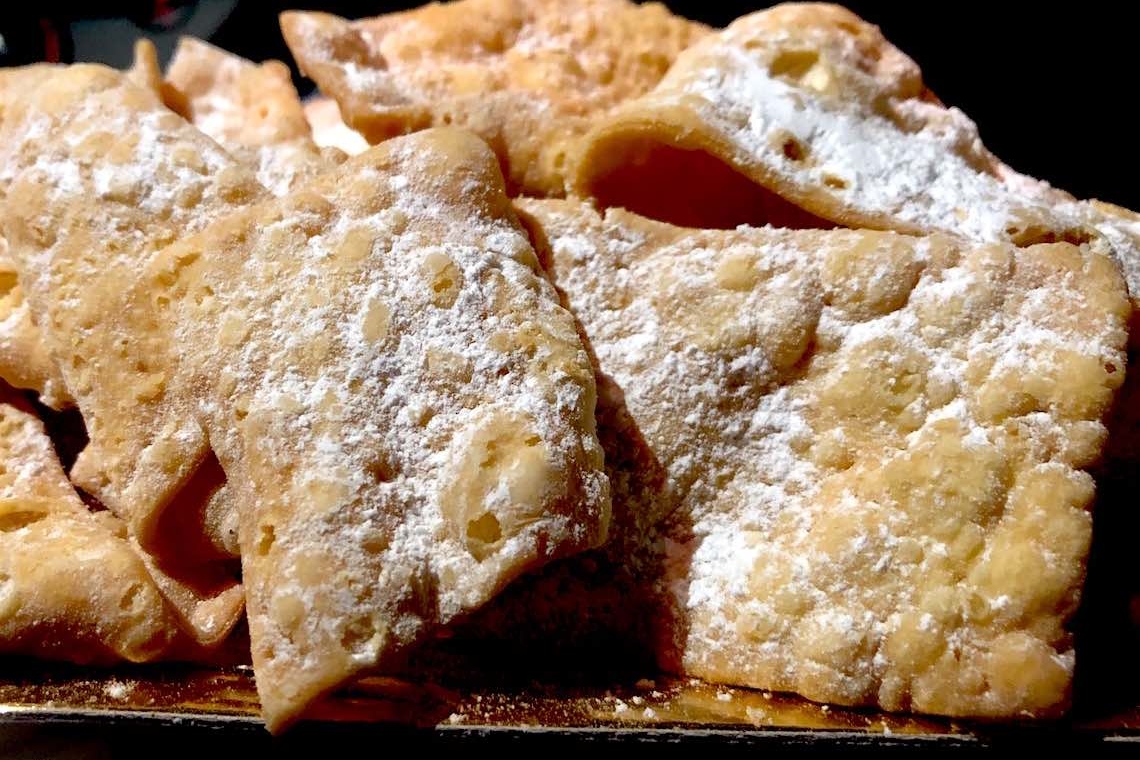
793,64
483,533
834,182
382,470
7,283
130,598
12,521
266,540
793,149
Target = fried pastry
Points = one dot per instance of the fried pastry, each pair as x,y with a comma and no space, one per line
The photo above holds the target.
528,77
877,445
24,360
403,408
71,585
252,110
808,103
99,176
329,130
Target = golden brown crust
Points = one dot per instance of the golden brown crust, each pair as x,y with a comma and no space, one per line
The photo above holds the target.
528,77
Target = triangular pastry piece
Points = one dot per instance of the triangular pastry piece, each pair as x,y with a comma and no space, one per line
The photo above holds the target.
72,586
403,407
99,176
252,110
876,445
528,77
812,104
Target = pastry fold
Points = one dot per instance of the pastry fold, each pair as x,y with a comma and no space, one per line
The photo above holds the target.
527,76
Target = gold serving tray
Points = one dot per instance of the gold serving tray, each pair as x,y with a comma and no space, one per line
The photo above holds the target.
221,702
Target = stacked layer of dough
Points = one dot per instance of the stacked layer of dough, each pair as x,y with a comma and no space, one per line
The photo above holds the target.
364,388
849,463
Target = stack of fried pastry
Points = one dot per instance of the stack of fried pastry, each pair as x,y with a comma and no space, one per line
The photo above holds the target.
738,343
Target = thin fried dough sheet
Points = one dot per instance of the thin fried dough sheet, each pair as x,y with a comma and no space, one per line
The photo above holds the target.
252,110
72,586
99,176
24,360
874,447
404,409
812,104
528,76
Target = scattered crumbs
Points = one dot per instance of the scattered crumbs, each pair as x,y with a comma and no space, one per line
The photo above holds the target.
824,709
657,694
886,729
650,713
695,682
646,683
637,700
621,707
756,714
118,689
767,695
723,696
456,718
478,697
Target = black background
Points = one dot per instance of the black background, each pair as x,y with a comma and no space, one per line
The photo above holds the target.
1051,86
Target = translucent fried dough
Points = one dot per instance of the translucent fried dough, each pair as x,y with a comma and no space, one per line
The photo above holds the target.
99,176
405,412
72,587
879,444
811,103
526,76
252,110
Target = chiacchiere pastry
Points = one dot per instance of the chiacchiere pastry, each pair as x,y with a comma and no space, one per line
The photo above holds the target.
72,587
812,104
876,446
403,409
24,359
98,176
528,76
252,110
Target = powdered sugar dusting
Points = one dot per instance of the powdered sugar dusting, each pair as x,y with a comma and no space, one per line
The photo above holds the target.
399,397
862,485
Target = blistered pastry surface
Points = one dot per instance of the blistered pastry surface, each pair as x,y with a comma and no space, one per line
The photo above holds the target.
879,443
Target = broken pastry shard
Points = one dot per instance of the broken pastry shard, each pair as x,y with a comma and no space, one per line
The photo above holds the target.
810,103
99,177
403,407
251,109
71,585
528,77
880,443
